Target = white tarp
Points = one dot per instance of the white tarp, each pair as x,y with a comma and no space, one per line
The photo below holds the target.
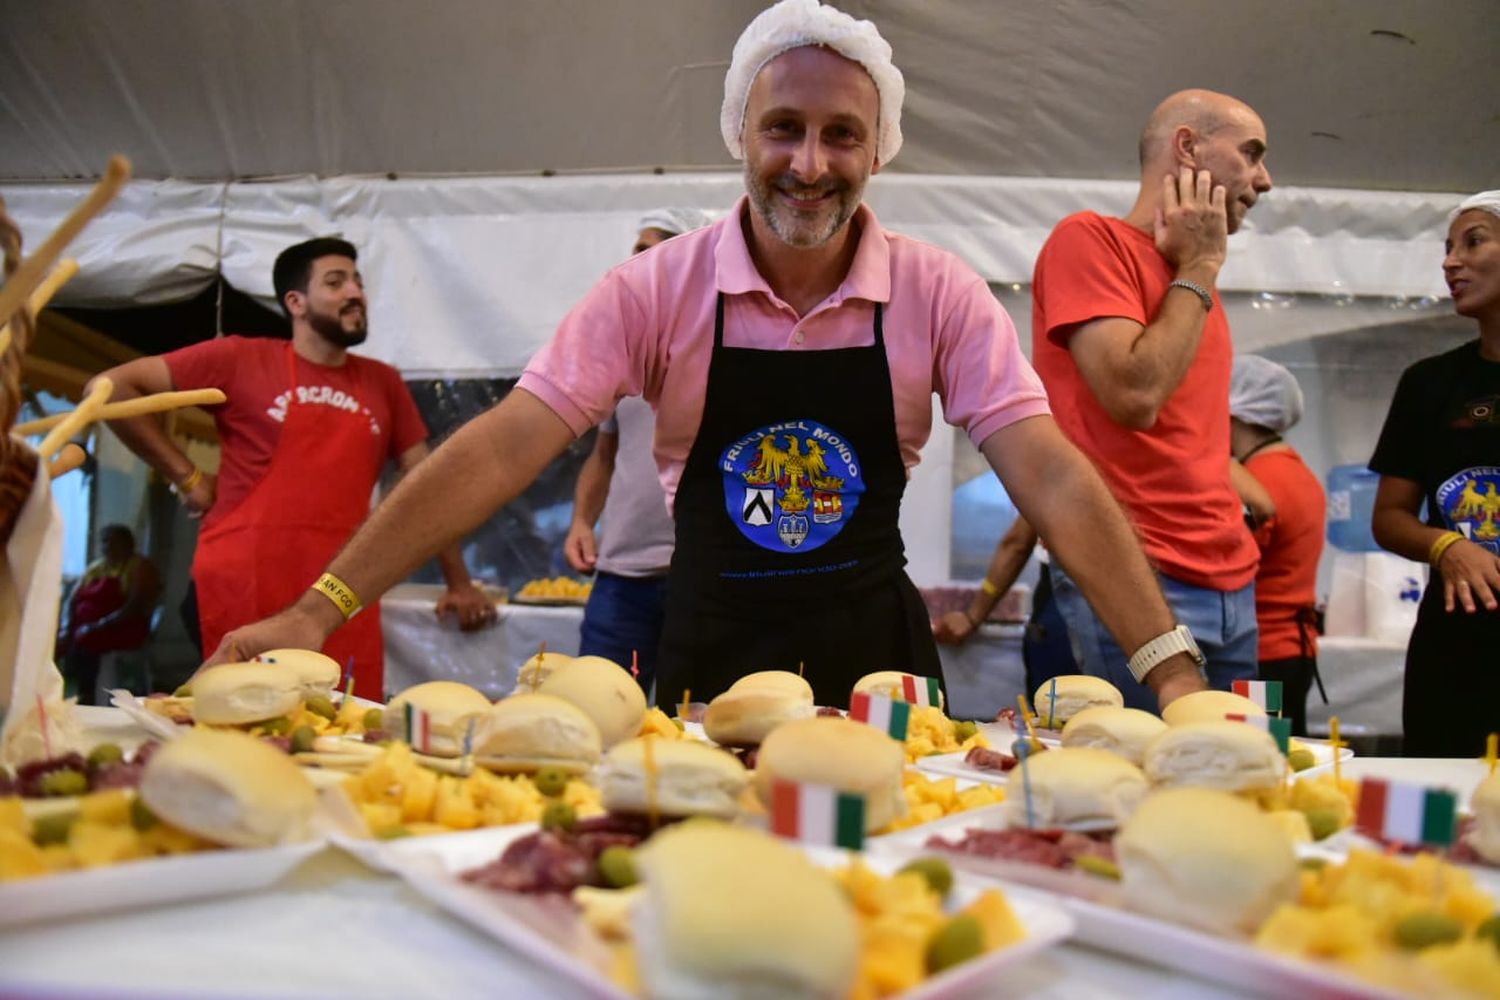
469,276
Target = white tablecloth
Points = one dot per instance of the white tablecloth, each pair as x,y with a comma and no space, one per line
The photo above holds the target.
334,928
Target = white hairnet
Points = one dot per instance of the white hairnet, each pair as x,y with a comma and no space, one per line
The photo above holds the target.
1485,201
674,220
792,24
1264,394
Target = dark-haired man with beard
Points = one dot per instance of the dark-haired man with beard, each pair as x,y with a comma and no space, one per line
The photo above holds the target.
303,436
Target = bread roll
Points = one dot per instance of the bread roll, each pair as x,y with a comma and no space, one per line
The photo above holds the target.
889,683
776,680
730,913
690,779
449,706
842,754
527,732
743,717
1208,706
1486,808
605,691
1074,788
1205,859
1228,756
317,673
230,788
1075,692
537,669
239,694
1122,731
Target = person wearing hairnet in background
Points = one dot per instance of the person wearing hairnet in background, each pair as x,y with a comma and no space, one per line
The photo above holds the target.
1441,446
791,351
1264,403
630,555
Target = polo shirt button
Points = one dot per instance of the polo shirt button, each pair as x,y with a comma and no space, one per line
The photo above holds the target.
798,337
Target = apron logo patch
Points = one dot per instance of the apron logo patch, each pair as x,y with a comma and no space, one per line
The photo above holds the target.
1470,503
791,486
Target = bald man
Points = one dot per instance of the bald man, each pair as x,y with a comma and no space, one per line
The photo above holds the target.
1131,341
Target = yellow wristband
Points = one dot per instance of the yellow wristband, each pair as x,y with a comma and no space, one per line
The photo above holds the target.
338,592
1443,544
191,482
989,587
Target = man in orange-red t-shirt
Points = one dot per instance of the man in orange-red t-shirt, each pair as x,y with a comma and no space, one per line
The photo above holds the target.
1265,402
1130,339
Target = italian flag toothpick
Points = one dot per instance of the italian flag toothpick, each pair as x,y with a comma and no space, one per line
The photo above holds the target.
920,690
817,814
418,729
1406,813
890,717
1280,729
1266,694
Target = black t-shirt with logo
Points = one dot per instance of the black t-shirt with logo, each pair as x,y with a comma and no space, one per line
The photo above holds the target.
1443,432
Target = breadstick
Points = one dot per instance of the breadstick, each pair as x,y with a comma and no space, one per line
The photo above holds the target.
29,275
132,408
70,458
71,423
65,269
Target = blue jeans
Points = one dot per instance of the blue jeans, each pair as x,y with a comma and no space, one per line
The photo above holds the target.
1222,623
624,616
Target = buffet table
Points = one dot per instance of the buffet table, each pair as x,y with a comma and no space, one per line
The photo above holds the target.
983,675
335,928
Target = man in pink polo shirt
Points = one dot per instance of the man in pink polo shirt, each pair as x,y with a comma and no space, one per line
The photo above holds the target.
791,351
1130,339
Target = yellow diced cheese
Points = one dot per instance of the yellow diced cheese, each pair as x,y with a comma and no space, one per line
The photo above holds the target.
95,845
111,807
19,857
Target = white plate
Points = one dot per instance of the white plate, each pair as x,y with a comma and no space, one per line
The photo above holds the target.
547,931
135,884
1322,752
482,845
159,726
951,765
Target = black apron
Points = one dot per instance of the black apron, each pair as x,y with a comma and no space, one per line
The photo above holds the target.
788,552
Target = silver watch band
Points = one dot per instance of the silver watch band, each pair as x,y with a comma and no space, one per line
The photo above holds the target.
1204,295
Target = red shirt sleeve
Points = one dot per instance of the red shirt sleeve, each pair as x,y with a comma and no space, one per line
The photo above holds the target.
207,365
407,425
1088,276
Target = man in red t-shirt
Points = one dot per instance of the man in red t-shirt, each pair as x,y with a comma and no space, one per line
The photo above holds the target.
1265,402
1130,339
304,434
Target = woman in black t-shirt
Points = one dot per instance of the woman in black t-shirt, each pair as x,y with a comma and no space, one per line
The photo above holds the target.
1441,445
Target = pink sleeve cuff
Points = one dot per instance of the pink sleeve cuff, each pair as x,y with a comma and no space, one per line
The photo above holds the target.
1030,406
556,401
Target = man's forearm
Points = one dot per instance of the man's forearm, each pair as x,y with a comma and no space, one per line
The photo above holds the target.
148,438
1164,351
455,571
592,489
483,466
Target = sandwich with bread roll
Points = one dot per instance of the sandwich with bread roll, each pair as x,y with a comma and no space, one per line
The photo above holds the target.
449,706
1122,731
243,694
890,684
745,715
604,691
1074,788
841,754
1062,697
671,778
527,732
1208,706
230,788
317,673
1205,859
1225,755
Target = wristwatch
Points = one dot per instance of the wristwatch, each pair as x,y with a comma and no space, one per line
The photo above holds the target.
1163,647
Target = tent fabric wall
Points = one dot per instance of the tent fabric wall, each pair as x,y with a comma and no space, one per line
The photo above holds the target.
469,276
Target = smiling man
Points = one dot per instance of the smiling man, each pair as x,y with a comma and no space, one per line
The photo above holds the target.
791,351
1131,340
304,434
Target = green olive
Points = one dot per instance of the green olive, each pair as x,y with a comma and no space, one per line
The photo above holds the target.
303,738
679,724
1321,822
65,782
374,720
183,691
935,870
1301,759
957,941
52,829
1489,929
617,867
559,816
1313,864
1096,865
105,753
1423,930
319,704
141,816
277,726
963,730
551,781
392,833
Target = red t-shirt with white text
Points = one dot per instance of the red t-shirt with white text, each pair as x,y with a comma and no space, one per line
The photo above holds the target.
1173,479
252,372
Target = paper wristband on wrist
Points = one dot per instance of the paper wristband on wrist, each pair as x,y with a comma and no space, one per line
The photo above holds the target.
1443,544
989,587
338,592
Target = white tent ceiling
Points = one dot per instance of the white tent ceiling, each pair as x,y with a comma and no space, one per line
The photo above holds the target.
1385,94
